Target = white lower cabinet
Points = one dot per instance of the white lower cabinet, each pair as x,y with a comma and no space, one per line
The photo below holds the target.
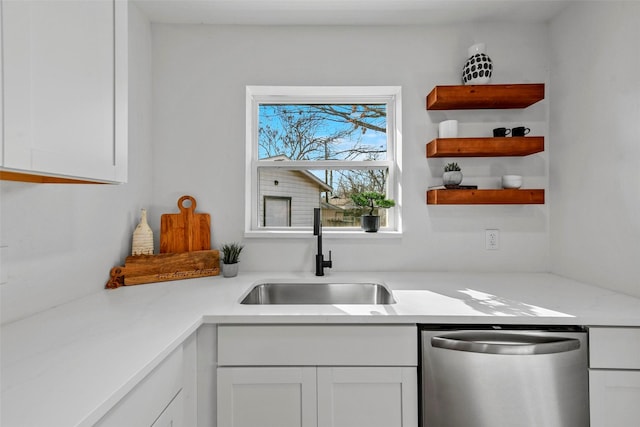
173,414
317,376
614,377
317,397
278,397
614,398
164,398
367,396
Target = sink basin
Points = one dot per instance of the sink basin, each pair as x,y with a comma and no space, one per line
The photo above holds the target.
319,293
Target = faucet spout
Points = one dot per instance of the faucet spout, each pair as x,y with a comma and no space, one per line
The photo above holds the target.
321,264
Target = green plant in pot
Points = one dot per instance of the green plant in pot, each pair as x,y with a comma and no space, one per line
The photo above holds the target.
452,176
371,200
230,258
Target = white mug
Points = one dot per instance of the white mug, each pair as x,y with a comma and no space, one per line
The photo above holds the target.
448,129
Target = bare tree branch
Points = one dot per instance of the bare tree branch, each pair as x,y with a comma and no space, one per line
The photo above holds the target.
316,132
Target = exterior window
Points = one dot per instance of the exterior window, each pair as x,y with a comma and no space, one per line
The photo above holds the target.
310,147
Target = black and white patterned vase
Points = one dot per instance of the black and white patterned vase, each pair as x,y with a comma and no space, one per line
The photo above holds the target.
478,68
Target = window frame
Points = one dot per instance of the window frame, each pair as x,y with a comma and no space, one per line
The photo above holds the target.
390,95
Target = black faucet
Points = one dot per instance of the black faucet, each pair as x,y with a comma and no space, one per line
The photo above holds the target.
317,231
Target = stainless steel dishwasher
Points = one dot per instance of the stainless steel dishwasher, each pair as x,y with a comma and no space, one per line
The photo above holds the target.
498,377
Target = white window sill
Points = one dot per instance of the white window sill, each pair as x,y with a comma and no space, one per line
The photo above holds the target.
326,234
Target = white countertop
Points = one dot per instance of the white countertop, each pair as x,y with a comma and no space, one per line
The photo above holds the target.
69,365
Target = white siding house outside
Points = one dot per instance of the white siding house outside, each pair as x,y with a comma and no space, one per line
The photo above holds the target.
300,189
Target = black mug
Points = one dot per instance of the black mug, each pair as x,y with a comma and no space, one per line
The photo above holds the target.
500,132
520,131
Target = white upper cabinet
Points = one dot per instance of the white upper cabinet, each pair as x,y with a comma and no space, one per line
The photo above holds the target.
65,88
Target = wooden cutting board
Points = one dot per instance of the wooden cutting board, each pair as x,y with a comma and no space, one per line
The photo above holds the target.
141,269
187,231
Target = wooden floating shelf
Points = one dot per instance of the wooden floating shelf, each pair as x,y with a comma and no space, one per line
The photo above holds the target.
485,147
485,197
474,97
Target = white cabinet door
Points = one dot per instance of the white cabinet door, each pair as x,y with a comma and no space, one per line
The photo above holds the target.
65,88
614,377
614,348
267,397
367,396
172,416
614,398
149,399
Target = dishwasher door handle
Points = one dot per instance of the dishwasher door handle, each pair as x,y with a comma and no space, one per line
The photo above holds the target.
504,343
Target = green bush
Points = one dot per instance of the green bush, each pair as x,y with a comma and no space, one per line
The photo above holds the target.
372,200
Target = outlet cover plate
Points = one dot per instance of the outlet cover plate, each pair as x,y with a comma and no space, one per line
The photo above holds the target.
492,239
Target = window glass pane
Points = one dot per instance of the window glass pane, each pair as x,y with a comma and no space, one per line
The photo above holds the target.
322,131
304,190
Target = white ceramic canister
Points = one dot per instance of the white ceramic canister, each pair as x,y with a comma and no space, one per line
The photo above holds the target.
448,129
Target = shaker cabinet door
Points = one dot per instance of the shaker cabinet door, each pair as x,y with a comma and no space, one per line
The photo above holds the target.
614,398
157,397
267,397
64,80
367,396
173,415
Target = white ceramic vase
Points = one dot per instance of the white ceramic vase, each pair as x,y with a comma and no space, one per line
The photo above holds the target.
142,237
478,68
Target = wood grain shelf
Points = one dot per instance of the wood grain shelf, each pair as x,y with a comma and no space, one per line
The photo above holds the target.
486,197
485,147
474,97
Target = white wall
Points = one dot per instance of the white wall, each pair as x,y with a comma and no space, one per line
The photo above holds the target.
595,144
63,239
200,74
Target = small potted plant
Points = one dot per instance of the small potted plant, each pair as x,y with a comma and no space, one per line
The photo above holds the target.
372,200
452,176
230,258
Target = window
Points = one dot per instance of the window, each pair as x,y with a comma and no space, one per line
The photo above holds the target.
310,147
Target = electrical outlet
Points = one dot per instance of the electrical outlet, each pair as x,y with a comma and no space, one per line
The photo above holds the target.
492,239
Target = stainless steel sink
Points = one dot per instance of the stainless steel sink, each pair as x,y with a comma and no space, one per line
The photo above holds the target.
319,293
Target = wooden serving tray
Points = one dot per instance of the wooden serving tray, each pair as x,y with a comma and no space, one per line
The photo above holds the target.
142,269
